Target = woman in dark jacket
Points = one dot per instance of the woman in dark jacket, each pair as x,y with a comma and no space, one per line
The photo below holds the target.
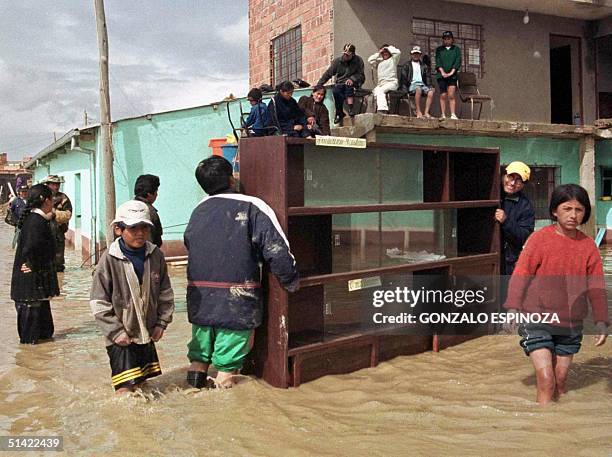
316,112
285,112
34,278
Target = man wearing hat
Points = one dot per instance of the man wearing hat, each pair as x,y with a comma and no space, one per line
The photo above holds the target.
349,73
385,62
15,209
18,204
62,212
416,79
516,215
448,64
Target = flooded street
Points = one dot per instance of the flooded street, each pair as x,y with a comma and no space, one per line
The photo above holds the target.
476,399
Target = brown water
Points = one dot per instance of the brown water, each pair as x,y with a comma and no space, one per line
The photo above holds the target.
471,400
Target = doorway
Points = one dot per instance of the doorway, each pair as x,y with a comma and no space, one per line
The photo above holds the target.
565,80
604,81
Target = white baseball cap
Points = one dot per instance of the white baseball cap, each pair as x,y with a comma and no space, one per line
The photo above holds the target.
133,212
416,50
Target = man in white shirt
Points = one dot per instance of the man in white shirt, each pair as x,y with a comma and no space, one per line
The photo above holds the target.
416,79
385,62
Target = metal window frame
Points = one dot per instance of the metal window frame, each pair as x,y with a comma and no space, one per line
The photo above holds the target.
431,46
286,56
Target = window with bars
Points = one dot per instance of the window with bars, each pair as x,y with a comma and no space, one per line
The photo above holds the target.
428,35
286,56
539,189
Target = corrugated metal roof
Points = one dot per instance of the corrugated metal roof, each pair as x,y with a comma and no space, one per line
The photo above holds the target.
58,144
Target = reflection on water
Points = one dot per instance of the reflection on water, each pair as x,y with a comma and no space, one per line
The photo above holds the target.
474,399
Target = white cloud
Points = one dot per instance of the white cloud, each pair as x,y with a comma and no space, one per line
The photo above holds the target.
164,56
236,33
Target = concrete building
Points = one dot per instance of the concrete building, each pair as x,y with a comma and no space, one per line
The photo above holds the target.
540,60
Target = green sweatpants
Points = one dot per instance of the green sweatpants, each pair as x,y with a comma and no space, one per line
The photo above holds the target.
225,349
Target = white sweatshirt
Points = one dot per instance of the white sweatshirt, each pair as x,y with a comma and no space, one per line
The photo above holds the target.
387,69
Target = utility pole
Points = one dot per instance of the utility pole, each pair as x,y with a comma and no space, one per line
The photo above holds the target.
85,117
105,122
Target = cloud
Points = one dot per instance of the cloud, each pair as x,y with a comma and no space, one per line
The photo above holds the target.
236,33
163,56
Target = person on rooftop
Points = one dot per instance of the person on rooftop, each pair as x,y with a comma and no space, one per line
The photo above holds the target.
416,80
448,64
385,62
349,72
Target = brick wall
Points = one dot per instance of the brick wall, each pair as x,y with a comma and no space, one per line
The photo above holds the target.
271,18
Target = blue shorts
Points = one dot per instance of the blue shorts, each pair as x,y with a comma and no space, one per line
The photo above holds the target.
424,89
558,340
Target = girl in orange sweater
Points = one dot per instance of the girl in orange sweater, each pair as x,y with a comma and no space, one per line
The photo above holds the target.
557,271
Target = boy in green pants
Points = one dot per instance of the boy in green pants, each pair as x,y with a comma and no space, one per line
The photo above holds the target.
228,237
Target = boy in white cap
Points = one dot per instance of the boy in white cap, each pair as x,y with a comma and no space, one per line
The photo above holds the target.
515,215
416,79
131,298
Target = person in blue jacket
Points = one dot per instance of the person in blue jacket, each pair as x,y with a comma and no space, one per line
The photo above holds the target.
516,215
259,118
228,237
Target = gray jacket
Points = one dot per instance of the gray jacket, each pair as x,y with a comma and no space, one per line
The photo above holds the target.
344,70
121,305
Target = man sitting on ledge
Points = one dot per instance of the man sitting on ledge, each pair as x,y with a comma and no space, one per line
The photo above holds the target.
350,75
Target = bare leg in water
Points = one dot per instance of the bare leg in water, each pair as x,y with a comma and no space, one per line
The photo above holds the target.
551,374
561,364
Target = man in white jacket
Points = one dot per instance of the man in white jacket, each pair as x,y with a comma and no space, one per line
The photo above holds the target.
385,61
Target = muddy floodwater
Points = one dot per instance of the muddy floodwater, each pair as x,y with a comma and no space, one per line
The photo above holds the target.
476,399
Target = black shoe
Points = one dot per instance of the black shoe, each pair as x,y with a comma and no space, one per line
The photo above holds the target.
196,379
338,119
351,112
383,111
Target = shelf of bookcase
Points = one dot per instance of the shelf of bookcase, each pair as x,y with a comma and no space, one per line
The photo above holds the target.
384,207
317,280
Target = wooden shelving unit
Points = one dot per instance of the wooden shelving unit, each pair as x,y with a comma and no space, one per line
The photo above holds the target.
345,212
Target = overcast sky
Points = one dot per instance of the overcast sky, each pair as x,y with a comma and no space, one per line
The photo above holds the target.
164,55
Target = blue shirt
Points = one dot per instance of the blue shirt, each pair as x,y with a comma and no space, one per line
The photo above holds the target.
136,256
258,119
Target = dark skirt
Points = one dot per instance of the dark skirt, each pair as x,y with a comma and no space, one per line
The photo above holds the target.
34,321
133,364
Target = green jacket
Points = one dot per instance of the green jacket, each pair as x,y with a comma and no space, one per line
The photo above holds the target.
448,59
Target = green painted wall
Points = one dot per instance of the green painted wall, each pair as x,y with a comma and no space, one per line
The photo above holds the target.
562,153
603,158
75,168
170,145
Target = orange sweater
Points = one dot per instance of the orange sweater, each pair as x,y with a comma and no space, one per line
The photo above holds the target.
556,274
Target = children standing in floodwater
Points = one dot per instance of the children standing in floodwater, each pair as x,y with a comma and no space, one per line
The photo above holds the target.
558,269
132,299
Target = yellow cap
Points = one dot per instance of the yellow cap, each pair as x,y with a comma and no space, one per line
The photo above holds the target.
520,169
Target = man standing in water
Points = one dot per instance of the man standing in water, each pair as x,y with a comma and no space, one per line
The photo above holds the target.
62,212
516,216
228,237
145,190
